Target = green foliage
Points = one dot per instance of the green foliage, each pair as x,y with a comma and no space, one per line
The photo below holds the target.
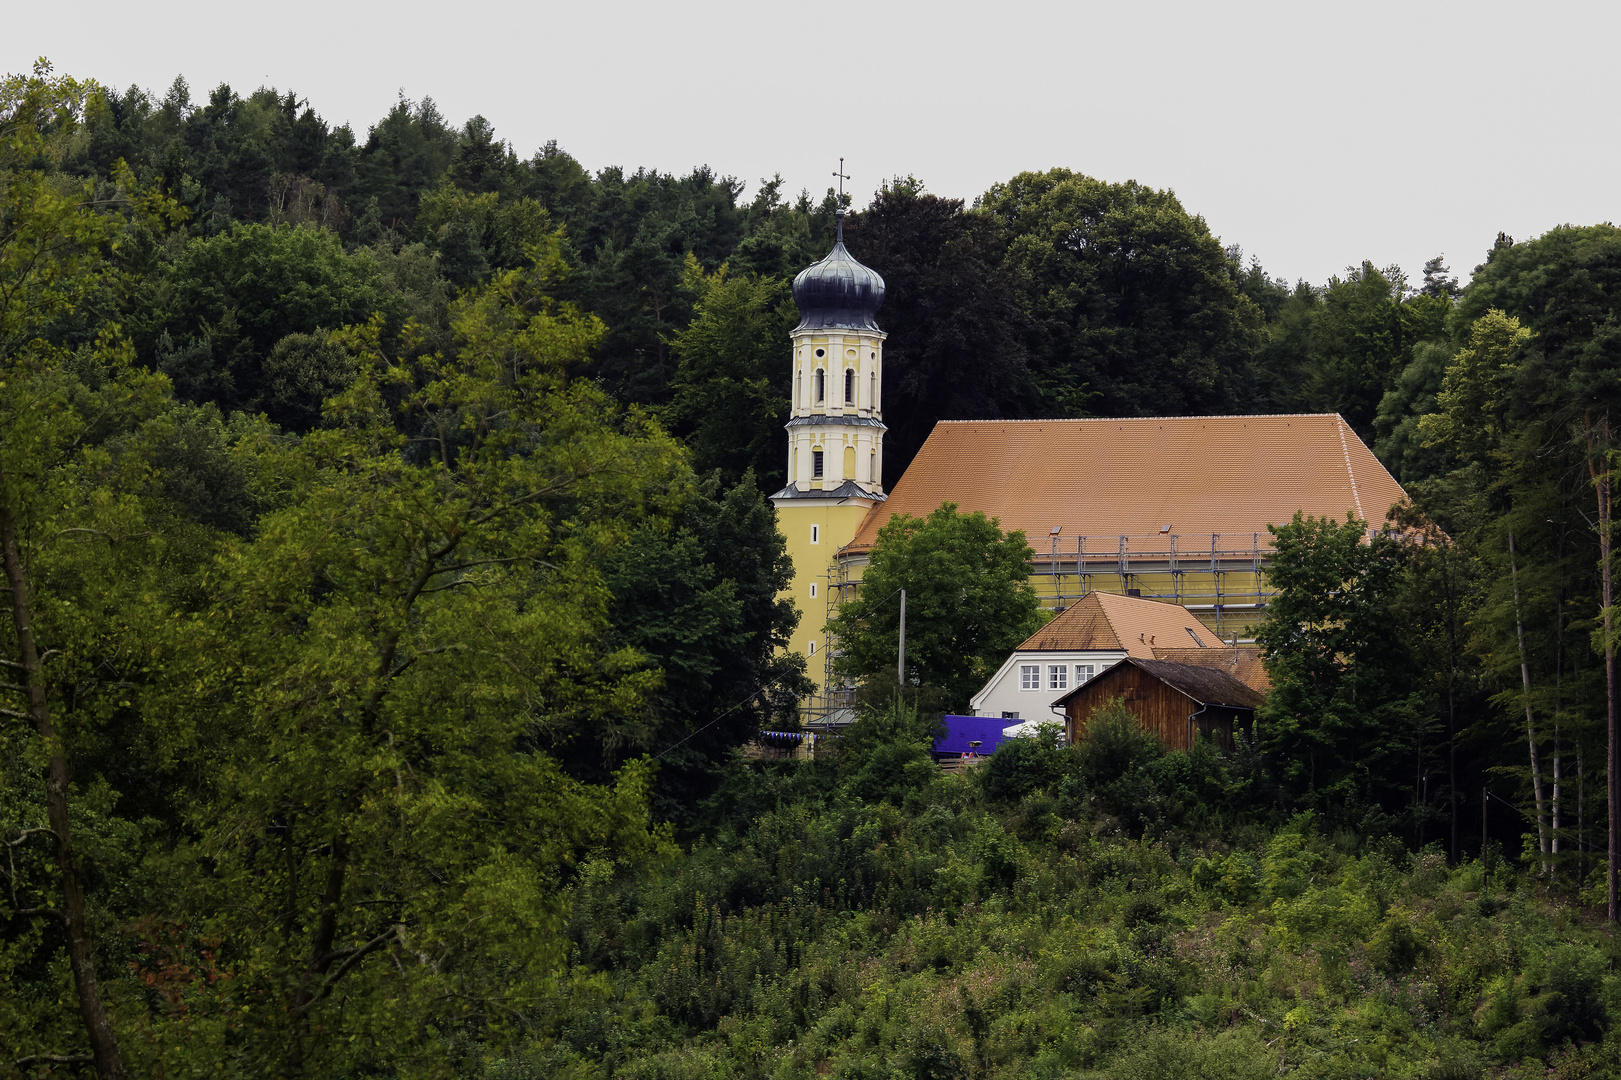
729,394
1133,299
1021,766
416,634
952,308
968,602
233,297
944,936
1344,696
704,602
1345,346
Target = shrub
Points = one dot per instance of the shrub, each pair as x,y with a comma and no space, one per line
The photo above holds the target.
1021,766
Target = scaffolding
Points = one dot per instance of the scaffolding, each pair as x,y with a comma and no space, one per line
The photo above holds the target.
833,703
1218,577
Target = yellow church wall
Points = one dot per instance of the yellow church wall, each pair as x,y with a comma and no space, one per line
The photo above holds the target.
814,530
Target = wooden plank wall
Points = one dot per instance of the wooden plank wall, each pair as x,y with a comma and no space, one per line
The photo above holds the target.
1158,707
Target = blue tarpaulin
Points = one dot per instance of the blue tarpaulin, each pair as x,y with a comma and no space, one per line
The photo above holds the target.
962,730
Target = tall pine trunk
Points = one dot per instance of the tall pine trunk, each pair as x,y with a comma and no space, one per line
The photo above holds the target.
1530,723
1598,446
81,953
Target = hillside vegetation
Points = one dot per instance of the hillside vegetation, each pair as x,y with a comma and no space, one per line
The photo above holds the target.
392,585
1104,910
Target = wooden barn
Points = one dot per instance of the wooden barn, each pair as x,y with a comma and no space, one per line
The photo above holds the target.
1177,702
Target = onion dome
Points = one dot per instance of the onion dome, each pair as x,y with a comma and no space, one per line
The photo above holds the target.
838,293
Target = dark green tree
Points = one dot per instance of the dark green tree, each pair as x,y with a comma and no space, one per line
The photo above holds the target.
956,348
729,397
705,603
968,603
1133,304
232,298
1345,712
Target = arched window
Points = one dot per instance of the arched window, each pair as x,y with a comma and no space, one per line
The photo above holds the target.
819,388
872,390
849,386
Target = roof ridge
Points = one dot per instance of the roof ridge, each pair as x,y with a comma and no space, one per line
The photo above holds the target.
1345,449
1145,419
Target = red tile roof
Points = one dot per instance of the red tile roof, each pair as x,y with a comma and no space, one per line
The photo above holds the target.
1232,475
1106,621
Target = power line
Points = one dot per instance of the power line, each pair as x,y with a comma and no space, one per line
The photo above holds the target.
725,714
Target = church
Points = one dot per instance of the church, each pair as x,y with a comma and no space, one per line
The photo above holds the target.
1166,508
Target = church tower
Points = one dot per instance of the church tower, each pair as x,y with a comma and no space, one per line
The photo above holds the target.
835,433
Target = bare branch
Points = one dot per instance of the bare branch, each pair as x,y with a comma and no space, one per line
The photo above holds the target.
48,912
26,833
355,956
15,715
51,1059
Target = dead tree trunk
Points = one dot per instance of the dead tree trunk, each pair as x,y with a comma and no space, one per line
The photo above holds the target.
81,954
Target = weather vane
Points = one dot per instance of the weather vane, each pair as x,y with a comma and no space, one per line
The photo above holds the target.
839,172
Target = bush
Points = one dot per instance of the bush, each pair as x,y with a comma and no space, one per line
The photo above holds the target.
1021,766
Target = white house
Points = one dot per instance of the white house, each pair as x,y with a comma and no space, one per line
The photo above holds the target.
1096,632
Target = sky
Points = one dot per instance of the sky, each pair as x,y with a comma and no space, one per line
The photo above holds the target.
1313,136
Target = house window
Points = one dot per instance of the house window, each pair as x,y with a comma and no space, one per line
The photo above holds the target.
1029,676
1010,716
816,461
1058,677
817,382
813,590
1084,672
849,386
1194,635
816,534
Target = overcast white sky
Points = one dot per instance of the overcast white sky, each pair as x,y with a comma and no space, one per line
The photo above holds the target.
1313,135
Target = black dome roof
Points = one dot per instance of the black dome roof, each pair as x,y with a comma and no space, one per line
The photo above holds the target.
838,293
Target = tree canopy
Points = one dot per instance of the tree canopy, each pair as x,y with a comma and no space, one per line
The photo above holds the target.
968,602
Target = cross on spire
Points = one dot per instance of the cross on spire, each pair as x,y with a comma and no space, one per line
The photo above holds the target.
838,214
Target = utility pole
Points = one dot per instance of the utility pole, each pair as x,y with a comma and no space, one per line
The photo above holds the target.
900,659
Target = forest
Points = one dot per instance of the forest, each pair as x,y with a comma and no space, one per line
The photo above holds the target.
393,591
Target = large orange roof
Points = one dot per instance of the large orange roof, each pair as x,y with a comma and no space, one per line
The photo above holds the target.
1108,621
1232,475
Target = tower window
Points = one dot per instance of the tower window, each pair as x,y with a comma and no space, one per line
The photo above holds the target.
816,534
849,386
816,464
813,590
821,352
817,383
813,648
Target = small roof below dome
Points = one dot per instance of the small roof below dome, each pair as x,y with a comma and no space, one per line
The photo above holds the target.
838,293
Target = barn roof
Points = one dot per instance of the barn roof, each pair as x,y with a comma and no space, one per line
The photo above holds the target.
1204,685
1242,663
1105,621
1231,475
